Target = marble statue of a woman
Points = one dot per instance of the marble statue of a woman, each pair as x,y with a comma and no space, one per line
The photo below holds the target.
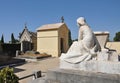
85,48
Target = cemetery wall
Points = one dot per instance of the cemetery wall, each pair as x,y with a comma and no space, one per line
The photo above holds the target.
114,45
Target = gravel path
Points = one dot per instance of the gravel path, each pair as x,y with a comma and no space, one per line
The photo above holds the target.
30,67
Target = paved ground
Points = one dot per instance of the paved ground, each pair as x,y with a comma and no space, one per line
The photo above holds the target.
29,67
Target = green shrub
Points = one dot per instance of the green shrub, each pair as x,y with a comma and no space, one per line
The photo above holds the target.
7,76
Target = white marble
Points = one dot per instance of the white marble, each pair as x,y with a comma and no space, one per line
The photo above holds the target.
85,48
93,66
86,54
102,37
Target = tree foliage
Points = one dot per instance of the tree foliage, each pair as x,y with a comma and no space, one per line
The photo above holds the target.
117,36
2,39
12,39
69,38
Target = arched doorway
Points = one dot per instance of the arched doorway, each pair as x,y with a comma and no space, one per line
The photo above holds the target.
26,46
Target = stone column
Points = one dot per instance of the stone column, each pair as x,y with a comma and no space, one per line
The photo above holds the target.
21,46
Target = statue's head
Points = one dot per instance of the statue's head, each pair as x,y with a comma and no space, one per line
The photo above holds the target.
81,21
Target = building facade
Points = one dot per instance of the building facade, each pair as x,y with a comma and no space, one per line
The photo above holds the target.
28,40
53,39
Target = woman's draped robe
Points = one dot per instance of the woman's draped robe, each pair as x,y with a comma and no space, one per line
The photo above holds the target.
84,49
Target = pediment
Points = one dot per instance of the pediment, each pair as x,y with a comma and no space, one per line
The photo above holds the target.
26,36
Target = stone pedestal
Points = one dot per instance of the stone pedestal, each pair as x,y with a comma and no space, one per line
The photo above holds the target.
93,66
77,76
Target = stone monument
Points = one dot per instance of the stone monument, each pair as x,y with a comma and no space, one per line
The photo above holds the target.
86,54
86,48
86,61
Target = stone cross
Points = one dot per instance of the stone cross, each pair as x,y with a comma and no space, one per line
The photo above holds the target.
62,19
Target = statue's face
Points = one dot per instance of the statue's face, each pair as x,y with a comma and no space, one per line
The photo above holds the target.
78,24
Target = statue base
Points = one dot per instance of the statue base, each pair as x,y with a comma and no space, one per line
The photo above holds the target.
109,67
76,76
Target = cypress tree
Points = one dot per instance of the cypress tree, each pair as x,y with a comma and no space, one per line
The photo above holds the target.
12,39
69,38
2,39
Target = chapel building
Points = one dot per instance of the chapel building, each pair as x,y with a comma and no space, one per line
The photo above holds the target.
28,40
53,39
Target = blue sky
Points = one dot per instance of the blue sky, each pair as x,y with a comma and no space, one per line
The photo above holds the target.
101,15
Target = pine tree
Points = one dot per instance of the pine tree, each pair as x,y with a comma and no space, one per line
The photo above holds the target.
2,39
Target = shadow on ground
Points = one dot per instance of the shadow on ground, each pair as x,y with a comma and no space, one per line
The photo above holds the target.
16,70
12,62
